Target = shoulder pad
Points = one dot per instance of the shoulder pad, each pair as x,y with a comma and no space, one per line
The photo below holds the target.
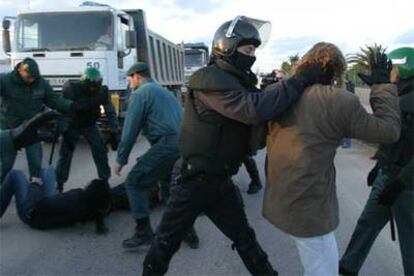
211,78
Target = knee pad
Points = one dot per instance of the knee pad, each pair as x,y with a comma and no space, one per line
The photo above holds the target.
158,257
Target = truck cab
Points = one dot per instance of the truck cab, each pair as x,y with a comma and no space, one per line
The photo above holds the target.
196,57
65,42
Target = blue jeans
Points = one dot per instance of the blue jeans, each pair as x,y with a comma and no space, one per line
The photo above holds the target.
27,194
373,219
34,155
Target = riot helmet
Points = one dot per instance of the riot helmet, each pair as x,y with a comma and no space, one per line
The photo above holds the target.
92,79
240,31
403,58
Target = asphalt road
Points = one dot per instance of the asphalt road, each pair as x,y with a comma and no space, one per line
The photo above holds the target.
79,251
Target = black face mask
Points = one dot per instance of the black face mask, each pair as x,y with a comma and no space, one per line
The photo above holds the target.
242,61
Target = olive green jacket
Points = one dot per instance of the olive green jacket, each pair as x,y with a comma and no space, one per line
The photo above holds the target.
20,101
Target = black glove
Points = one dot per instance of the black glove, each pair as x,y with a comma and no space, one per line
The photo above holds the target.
311,75
380,67
27,133
372,175
391,192
114,140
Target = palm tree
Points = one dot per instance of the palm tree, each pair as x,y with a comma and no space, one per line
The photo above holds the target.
359,62
289,66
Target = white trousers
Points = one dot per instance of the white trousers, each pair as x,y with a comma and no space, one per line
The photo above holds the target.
319,255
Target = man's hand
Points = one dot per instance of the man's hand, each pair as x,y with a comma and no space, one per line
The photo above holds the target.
391,192
27,133
117,169
380,67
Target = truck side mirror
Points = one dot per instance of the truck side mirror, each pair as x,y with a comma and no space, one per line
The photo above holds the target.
6,41
130,39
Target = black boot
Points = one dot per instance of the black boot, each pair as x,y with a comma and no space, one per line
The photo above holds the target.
59,187
143,235
191,239
254,187
251,167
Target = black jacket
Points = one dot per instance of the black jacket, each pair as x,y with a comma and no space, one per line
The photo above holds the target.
222,106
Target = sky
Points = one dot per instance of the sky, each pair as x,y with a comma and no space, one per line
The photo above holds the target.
296,25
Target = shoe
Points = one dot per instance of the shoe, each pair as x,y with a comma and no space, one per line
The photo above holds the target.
59,187
191,239
254,187
345,272
142,236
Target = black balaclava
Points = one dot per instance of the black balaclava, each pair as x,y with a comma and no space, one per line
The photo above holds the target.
242,61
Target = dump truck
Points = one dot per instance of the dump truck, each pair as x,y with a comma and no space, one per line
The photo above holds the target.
65,42
196,57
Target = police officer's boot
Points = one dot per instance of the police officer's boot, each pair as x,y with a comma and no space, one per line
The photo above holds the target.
191,239
143,235
252,255
251,167
59,187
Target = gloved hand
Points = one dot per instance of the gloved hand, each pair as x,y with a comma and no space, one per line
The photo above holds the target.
27,133
380,67
391,192
313,74
114,140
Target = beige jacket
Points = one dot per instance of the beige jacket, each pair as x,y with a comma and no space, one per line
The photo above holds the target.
300,197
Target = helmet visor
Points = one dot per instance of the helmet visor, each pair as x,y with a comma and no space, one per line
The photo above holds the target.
263,27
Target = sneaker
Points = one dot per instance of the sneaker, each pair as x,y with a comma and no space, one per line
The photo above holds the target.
254,187
191,239
141,237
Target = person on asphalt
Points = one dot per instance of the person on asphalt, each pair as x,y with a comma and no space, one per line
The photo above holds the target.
40,207
392,193
300,196
220,109
156,112
23,93
84,123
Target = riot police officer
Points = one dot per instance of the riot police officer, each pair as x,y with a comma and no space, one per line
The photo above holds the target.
221,107
84,123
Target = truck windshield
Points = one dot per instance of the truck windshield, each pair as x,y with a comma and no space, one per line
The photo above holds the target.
65,31
194,59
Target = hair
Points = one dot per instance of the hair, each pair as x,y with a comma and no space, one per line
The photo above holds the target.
328,56
97,195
